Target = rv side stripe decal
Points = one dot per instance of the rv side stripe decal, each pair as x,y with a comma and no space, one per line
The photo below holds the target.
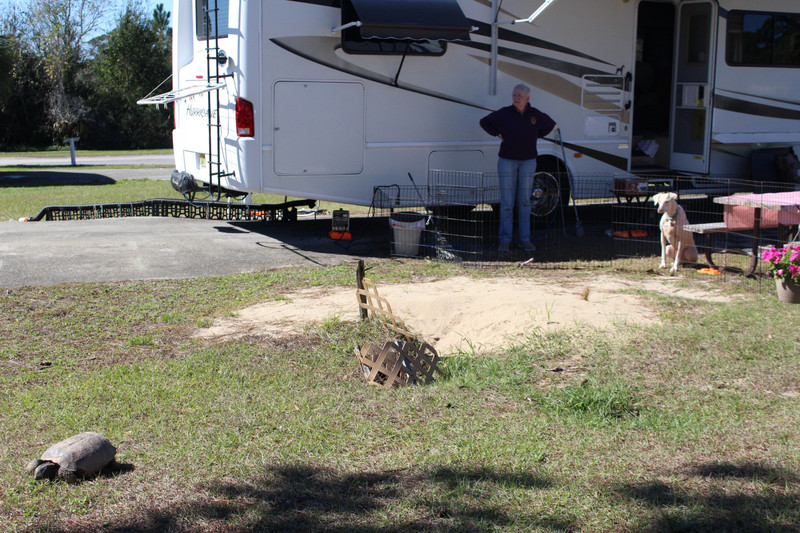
484,29
309,48
571,69
612,160
325,3
737,105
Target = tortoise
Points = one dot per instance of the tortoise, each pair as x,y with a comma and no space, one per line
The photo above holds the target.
82,455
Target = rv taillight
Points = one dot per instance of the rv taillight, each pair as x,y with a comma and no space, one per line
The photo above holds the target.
245,124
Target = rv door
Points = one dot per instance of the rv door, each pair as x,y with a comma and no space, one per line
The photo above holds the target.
693,87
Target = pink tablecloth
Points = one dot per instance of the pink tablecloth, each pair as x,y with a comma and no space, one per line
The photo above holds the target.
778,208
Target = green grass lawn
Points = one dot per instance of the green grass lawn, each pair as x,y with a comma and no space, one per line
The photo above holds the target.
18,202
692,424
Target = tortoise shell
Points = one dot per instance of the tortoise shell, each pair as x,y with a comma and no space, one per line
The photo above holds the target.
81,455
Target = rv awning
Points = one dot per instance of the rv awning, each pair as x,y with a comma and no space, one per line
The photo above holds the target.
437,20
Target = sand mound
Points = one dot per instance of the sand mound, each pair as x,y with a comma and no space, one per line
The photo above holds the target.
465,314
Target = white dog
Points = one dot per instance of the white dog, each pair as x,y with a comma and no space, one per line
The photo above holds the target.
676,242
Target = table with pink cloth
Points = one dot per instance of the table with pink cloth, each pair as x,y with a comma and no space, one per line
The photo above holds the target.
757,211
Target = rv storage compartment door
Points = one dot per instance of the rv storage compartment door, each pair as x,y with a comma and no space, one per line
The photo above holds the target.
319,128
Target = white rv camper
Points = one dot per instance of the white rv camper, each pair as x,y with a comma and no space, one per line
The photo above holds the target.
328,99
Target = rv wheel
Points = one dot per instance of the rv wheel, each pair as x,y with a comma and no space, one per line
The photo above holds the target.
558,170
545,194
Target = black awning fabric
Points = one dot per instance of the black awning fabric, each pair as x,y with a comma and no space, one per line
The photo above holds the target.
437,20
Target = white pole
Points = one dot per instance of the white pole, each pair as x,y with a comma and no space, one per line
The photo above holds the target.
536,13
493,52
72,141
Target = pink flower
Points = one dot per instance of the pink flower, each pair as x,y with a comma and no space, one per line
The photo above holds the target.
784,263
770,255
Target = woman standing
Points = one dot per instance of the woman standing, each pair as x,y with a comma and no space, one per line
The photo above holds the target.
519,126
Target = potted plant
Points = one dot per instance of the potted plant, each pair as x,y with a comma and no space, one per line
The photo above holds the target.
784,266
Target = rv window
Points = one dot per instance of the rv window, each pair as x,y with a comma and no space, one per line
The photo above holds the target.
211,18
763,39
402,27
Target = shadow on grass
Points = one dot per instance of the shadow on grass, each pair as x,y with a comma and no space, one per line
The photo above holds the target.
50,178
370,236
724,497
313,498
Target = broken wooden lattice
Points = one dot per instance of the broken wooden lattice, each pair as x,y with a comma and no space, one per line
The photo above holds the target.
397,363
407,361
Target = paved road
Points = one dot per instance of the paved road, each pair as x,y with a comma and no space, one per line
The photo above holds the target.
166,160
157,167
46,253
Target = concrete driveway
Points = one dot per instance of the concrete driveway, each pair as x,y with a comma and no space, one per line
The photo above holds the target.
47,253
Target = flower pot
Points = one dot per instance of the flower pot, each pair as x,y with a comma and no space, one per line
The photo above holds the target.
788,291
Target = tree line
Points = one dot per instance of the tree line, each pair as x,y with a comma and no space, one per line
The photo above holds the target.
62,76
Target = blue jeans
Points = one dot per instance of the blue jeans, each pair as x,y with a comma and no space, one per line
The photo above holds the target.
516,186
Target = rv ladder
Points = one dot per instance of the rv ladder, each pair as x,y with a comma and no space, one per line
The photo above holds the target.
215,80
213,62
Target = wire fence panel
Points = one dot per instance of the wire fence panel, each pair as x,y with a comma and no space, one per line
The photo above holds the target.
454,216
723,234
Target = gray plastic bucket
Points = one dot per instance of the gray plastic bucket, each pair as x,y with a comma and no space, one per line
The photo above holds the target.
407,228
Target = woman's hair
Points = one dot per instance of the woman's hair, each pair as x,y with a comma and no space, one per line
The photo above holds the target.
522,87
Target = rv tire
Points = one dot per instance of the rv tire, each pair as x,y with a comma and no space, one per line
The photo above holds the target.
558,169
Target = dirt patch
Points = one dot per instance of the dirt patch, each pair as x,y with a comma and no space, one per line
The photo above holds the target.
468,314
